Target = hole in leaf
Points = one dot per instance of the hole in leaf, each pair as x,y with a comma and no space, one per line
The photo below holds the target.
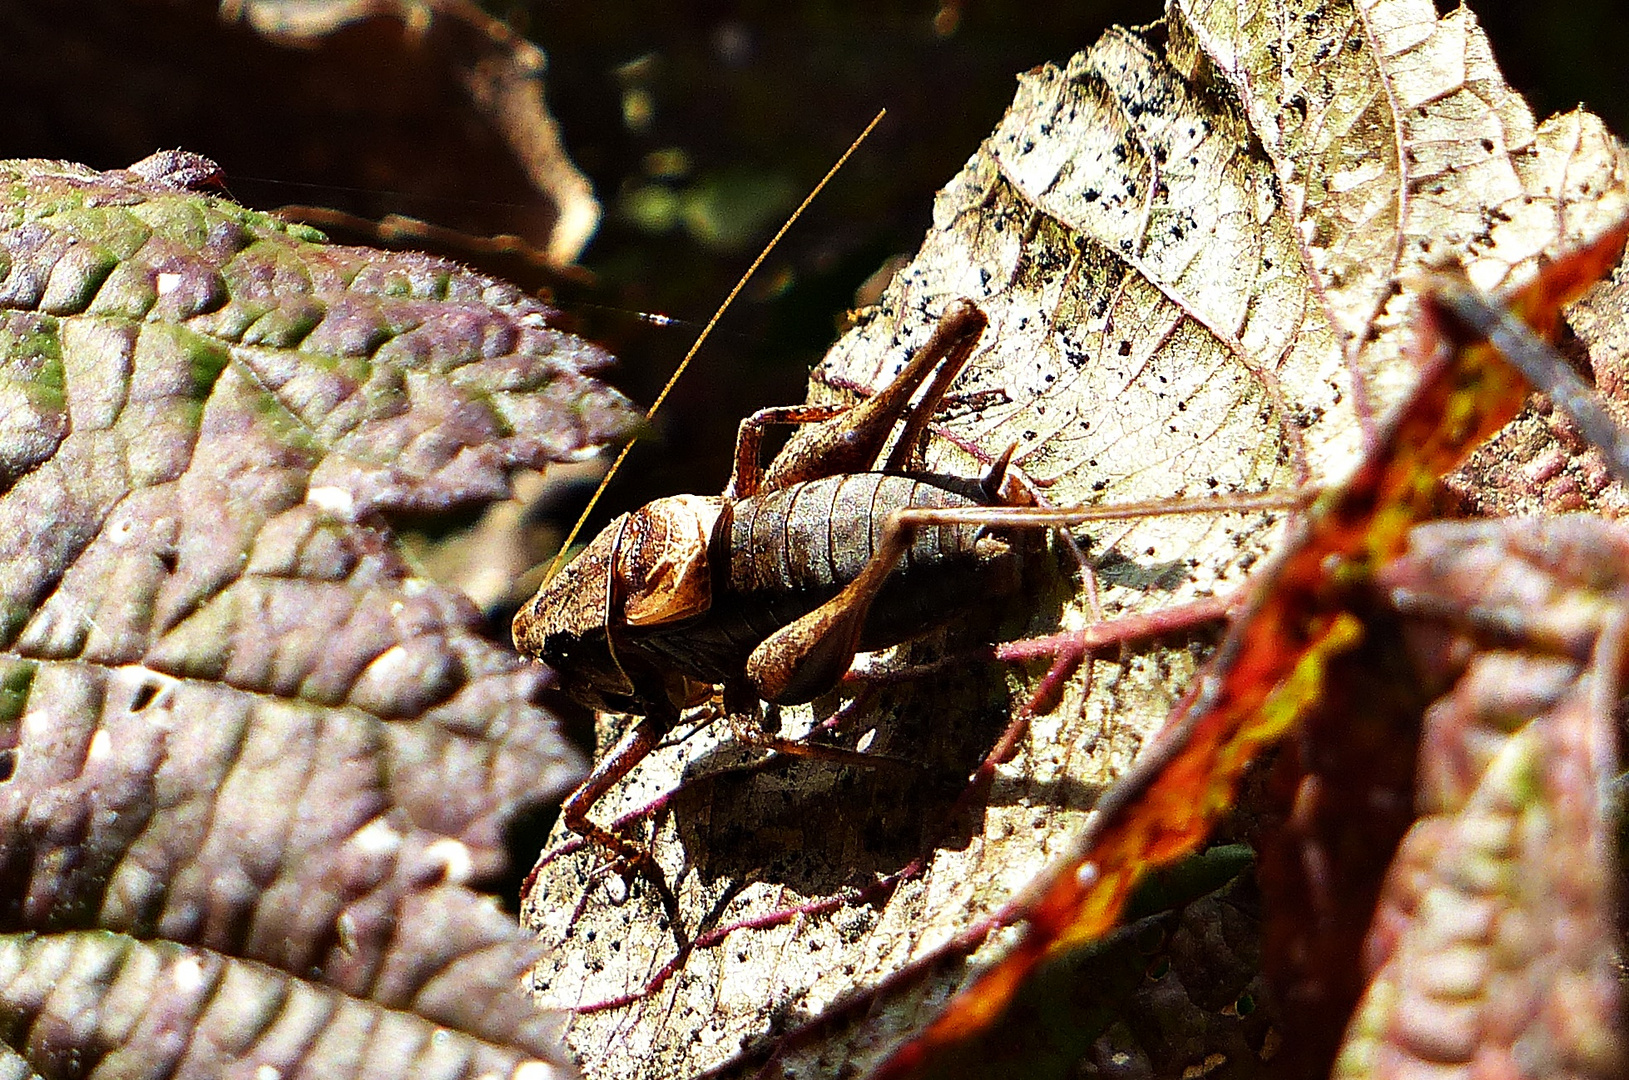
8,764
144,697
167,559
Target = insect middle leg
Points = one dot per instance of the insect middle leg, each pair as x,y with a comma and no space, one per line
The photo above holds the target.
745,710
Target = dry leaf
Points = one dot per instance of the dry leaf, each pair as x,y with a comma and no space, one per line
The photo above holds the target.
1194,243
1306,667
495,72
412,121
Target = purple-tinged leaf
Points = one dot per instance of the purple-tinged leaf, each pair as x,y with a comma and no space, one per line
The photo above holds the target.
102,1002
239,737
1493,950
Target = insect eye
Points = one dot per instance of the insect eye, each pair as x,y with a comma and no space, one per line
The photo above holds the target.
556,647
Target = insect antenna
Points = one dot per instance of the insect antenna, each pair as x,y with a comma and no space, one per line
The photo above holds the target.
706,331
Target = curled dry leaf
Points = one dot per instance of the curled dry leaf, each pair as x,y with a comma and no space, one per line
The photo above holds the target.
252,762
498,75
1196,244
411,122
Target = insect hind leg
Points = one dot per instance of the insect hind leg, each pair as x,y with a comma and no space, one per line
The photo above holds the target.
853,440
747,476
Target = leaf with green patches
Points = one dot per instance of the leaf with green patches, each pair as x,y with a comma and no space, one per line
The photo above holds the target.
253,763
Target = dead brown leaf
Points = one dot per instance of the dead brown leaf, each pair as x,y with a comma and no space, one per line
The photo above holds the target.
407,122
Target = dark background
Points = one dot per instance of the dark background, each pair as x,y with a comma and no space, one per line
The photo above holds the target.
699,124
771,94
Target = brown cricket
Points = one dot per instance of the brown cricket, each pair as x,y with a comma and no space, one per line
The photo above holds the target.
770,589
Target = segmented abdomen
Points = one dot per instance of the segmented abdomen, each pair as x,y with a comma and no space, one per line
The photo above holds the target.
819,534
779,555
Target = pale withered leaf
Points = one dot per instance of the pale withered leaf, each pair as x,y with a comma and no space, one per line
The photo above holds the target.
1197,244
252,763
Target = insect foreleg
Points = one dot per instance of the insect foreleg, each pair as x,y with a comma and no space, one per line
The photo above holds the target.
634,746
